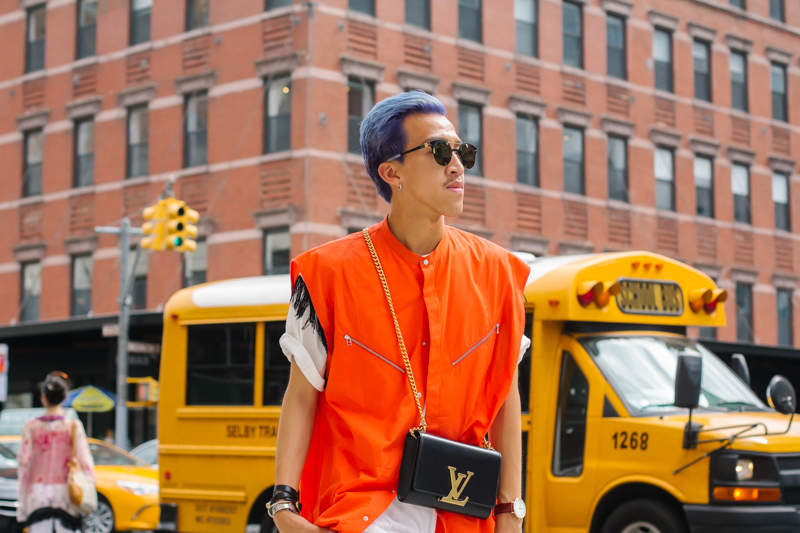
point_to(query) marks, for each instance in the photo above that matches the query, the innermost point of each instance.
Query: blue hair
(383, 134)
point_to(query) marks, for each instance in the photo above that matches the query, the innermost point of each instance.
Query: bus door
(571, 476)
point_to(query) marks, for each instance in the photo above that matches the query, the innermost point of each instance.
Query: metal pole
(121, 423)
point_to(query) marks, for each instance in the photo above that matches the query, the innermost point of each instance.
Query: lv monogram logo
(457, 487)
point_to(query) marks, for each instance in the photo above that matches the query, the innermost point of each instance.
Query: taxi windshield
(642, 371)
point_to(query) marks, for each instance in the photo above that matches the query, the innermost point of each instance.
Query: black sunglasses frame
(443, 153)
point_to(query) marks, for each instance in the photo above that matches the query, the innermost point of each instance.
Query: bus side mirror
(780, 394)
(739, 365)
(687, 380)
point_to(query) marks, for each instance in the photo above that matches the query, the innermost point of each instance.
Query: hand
(288, 522)
(506, 523)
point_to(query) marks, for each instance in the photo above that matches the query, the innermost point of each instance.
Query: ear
(388, 174)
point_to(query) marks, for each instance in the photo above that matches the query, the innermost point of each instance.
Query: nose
(455, 165)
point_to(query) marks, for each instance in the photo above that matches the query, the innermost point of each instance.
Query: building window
(277, 243)
(615, 41)
(572, 22)
(418, 13)
(780, 196)
(196, 137)
(140, 21)
(738, 3)
(744, 312)
(32, 163)
(278, 116)
(87, 28)
(139, 287)
(195, 265)
(360, 98)
(570, 430)
(84, 153)
(665, 179)
(776, 10)
(785, 329)
(617, 168)
(738, 65)
(527, 151)
(81, 285)
(274, 4)
(196, 14)
(34, 51)
(276, 365)
(740, 184)
(469, 20)
(704, 184)
(137, 141)
(701, 52)
(470, 129)
(778, 78)
(662, 55)
(31, 291)
(220, 364)
(362, 6)
(572, 147)
(527, 31)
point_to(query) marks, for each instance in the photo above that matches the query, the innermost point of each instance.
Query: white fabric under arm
(304, 345)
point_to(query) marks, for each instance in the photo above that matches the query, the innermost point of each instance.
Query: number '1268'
(623, 442)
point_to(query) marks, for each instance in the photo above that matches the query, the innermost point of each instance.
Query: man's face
(438, 188)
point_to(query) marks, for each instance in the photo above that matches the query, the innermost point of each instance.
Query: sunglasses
(443, 153)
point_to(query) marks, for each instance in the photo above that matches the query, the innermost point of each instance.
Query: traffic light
(180, 230)
(153, 227)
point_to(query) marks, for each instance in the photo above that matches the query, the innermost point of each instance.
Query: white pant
(401, 517)
(51, 525)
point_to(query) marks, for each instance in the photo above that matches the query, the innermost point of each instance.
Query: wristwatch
(517, 508)
(274, 508)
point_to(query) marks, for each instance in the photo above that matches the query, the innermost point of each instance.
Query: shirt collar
(407, 255)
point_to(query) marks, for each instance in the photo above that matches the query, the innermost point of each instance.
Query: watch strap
(501, 508)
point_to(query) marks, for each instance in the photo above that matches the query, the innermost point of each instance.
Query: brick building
(666, 125)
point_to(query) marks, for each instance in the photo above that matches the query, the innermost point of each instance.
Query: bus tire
(267, 525)
(643, 516)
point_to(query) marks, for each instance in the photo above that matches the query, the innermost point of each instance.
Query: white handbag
(82, 492)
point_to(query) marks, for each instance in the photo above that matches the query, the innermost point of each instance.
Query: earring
(400, 186)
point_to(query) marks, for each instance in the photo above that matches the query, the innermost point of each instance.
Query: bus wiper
(707, 407)
(740, 404)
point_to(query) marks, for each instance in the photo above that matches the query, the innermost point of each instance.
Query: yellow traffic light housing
(153, 227)
(180, 228)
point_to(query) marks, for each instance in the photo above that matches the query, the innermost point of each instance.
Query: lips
(456, 186)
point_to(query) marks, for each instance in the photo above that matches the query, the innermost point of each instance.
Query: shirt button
(424, 343)
(425, 262)
(366, 519)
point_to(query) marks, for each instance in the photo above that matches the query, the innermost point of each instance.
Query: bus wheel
(643, 516)
(267, 525)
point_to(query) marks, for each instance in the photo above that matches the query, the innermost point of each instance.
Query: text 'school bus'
(608, 446)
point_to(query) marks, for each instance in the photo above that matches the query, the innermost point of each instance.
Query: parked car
(147, 452)
(8, 490)
(127, 489)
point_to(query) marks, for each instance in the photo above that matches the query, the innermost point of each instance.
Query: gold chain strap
(423, 424)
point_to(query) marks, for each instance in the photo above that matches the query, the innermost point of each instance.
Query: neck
(417, 231)
(54, 410)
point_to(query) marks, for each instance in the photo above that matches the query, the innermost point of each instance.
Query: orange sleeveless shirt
(461, 313)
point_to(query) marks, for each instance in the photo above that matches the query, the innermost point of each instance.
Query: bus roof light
(647, 265)
(717, 296)
(553, 303)
(698, 298)
(635, 264)
(659, 266)
(609, 289)
(588, 291)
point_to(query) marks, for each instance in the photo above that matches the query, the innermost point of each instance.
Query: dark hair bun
(55, 389)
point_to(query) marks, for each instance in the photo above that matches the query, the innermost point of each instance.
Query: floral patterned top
(44, 456)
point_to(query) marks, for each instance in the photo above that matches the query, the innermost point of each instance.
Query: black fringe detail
(301, 300)
(73, 523)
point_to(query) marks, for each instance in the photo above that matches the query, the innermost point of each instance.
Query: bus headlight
(139, 489)
(744, 469)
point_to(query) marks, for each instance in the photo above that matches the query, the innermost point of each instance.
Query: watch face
(519, 508)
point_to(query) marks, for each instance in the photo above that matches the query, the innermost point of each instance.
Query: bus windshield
(642, 371)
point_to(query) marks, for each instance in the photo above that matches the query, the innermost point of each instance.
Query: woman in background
(44, 457)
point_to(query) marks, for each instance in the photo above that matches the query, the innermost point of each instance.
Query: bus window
(524, 368)
(276, 365)
(220, 364)
(573, 400)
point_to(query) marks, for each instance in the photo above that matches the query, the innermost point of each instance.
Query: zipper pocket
(350, 341)
(495, 330)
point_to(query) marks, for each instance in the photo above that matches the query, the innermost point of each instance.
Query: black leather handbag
(437, 472)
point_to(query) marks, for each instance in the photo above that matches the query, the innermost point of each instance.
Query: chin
(453, 210)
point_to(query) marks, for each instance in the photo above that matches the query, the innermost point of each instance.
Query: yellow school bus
(606, 448)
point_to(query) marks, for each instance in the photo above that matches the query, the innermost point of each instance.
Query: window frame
(84, 31)
(567, 36)
(146, 144)
(626, 195)
(739, 3)
(780, 15)
(534, 27)
(477, 169)
(535, 153)
(710, 189)
(190, 7)
(188, 273)
(78, 165)
(462, 10)
(582, 177)
(671, 181)
(622, 51)
(363, 85)
(26, 166)
(745, 93)
(703, 83)
(782, 97)
(136, 16)
(268, 141)
(370, 8)
(744, 335)
(749, 212)
(269, 4)
(73, 296)
(788, 211)
(789, 321)
(566, 357)
(30, 65)
(23, 301)
(268, 269)
(669, 83)
(188, 161)
(424, 7)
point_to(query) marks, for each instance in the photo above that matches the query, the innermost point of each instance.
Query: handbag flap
(456, 471)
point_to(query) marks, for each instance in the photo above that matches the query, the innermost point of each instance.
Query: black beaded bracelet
(287, 488)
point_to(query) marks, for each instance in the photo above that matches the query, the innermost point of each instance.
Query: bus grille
(788, 462)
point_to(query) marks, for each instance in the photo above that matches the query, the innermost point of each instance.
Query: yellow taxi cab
(127, 489)
(629, 425)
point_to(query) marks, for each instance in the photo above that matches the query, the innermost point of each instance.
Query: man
(459, 305)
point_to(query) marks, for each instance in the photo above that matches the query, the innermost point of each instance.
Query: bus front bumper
(741, 519)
